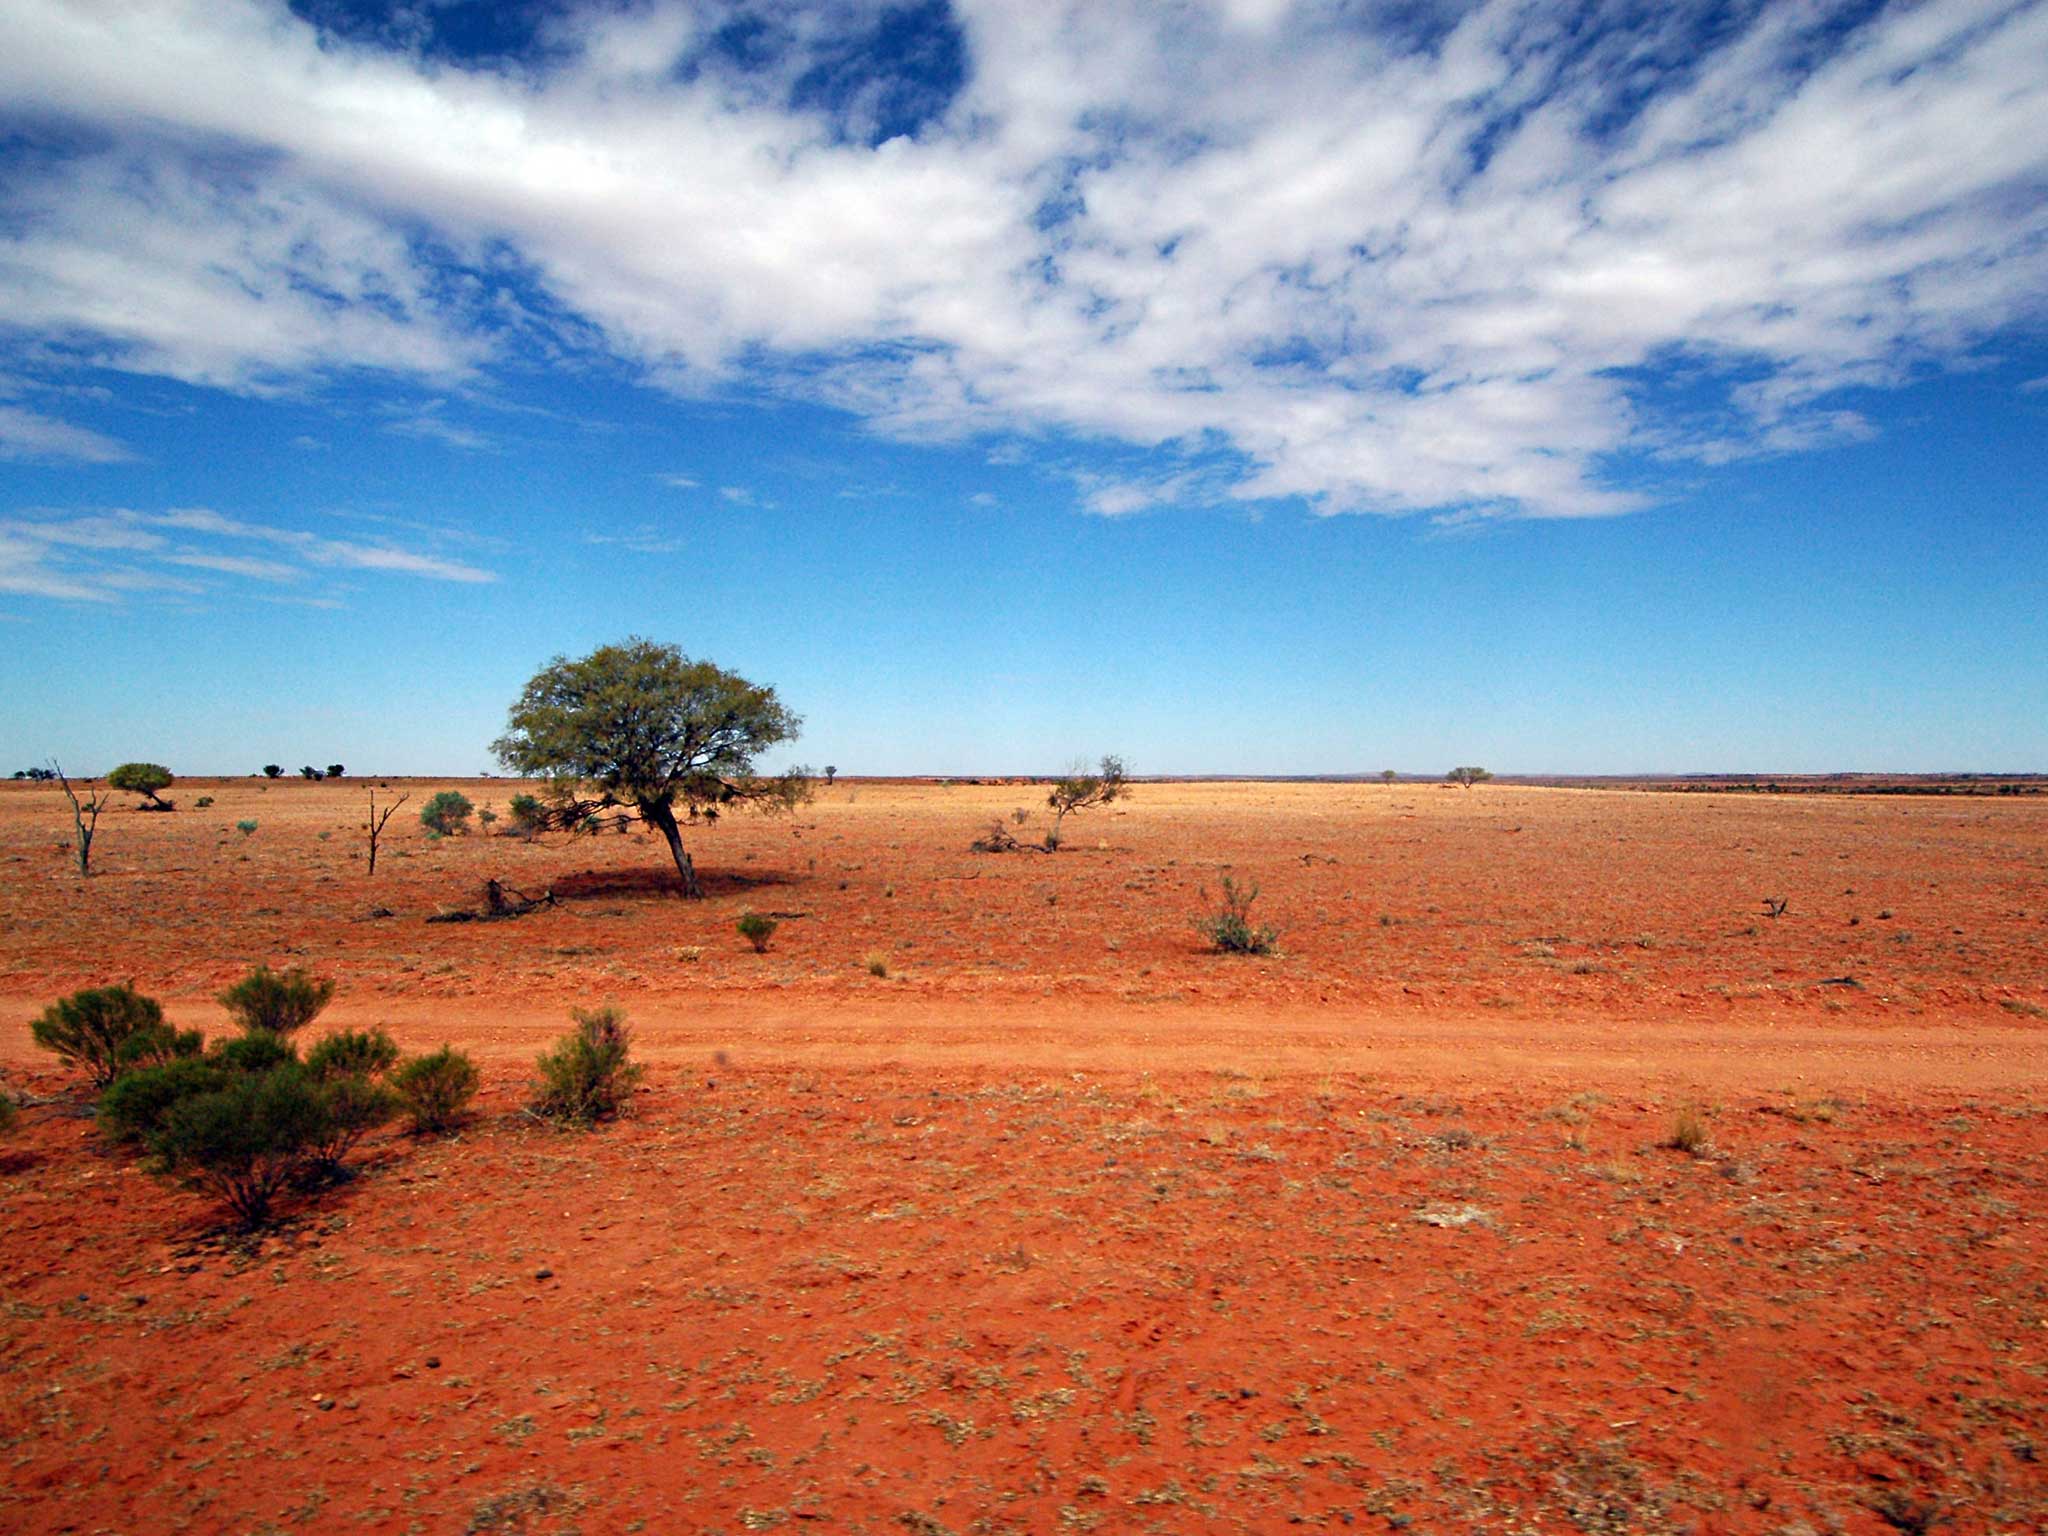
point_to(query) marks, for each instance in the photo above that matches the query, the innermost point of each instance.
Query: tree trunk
(662, 815)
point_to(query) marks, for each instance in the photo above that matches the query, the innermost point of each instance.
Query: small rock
(543, 1274)
(433, 1362)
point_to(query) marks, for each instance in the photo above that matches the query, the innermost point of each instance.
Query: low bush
(204, 802)
(447, 812)
(351, 1106)
(757, 929)
(244, 1141)
(352, 1053)
(134, 1106)
(88, 1028)
(434, 1089)
(277, 1001)
(1230, 928)
(258, 1051)
(158, 1045)
(529, 816)
(877, 964)
(1689, 1133)
(245, 827)
(586, 1076)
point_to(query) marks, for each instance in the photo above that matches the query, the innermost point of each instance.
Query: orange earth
(1066, 1222)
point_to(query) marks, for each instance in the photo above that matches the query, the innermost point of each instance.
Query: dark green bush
(757, 929)
(245, 1141)
(352, 1053)
(88, 1028)
(259, 1051)
(586, 1077)
(446, 813)
(435, 1088)
(1229, 928)
(529, 816)
(158, 1045)
(277, 1001)
(351, 1106)
(135, 1104)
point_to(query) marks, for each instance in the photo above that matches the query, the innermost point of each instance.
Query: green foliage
(1468, 775)
(435, 1088)
(245, 827)
(144, 779)
(277, 1001)
(135, 1105)
(351, 1106)
(204, 802)
(258, 1051)
(352, 1053)
(446, 812)
(756, 928)
(641, 725)
(1230, 928)
(158, 1045)
(88, 1028)
(529, 816)
(246, 1140)
(586, 1077)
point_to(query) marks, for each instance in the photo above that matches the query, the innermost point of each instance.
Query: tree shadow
(595, 883)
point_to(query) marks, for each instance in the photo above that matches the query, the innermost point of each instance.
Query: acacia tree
(143, 779)
(641, 727)
(1468, 776)
(1081, 789)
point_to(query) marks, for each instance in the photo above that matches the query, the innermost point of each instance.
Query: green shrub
(352, 1053)
(585, 1076)
(88, 1028)
(143, 779)
(1229, 928)
(486, 816)
(351, 1106)
(134, 1106)
(756, 928)
(204, 802)
(447, 812)
(158, 1045)
(254, 1053)
(529, 816)
(245, 1141)
(435, 1088)
(277, 1001)
(245, 827)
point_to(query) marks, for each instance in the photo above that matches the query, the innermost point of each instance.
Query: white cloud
(95, 557)
(679, 482)
(26, 434)
(1384, 273)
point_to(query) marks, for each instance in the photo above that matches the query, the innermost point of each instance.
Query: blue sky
(1238, 385)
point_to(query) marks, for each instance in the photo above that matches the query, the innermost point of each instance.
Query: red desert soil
(1066, 1223)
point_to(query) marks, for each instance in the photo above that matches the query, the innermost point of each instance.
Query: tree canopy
(641, 726)
(144, 779)
(1468, 775)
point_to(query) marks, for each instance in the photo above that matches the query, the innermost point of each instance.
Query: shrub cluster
(246, 1117)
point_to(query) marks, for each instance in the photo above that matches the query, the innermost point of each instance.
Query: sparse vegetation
(373, 829)
(528, 817)
(756, 928)
(587, 1075)
(88, 1029)
(1230, 927)
(276, 1002)
(1689, 1132)
(446, 813)
(246, 826)
(877, 964)
(435, 1089)
(1469, 775)
(85, 819)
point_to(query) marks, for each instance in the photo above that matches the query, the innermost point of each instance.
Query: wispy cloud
(1428, 265)
(26, 434)
(97, 557)
(679, 482)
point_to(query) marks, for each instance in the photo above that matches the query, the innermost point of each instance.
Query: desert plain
(989, 1198)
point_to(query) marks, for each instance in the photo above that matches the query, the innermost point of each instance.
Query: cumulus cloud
(97, 557)
(1439, 265)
